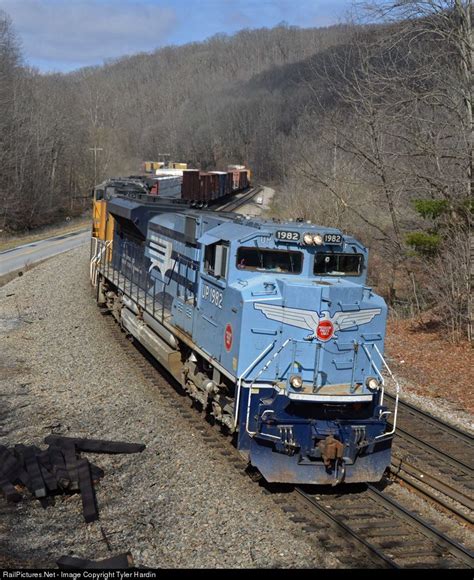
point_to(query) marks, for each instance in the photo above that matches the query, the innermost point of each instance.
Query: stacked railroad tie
(59, 469)
(115, 562)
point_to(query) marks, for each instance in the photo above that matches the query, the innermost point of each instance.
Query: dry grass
(436, 367)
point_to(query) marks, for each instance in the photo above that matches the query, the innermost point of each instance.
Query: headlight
(372, 383)
(296, 381)
(318, 239)
(308, 239)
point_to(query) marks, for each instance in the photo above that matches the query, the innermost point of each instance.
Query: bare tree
(446, 149)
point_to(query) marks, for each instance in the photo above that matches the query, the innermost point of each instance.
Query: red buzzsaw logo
(228, 337)
(325, 330)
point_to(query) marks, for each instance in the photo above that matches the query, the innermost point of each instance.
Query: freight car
(199, 188)
(269, 326)
(173, 186)
(203, 188)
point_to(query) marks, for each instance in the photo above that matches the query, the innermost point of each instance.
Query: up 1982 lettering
(212, 295)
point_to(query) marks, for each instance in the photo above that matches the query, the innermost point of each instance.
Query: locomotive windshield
(269, 260)
(329, 264)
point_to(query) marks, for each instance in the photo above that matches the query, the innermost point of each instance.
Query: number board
(332, 239)
(287, 236)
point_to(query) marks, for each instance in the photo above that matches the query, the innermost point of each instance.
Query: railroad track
(360, 524)
(435, 458)
(391, 534)
(240, 201)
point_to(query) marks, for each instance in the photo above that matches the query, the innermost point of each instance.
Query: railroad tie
(9, 491)
(34, 472)
(58, 463)
(119, 561)
(89, 502)
(11, 468)
(95, 445)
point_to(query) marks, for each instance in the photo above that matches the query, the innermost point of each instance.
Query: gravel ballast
(177, 504)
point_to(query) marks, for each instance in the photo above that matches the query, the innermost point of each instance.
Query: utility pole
(95, 149)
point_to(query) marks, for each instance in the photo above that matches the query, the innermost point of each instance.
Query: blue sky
(61, 35)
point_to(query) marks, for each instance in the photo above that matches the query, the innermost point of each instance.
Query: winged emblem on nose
(321, 325)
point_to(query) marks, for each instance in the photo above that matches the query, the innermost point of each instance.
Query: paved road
(21, 256)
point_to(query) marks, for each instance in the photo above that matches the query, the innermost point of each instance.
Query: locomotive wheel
(253, 473)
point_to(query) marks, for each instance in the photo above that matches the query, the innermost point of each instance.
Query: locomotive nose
(328, 330)
(324, 299)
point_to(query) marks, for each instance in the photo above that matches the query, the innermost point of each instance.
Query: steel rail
(182, 404)
(455, 548)
(414, 476)
(234, 204)
(404, 434)
(395, 508)
(332, 518)
(435, 421)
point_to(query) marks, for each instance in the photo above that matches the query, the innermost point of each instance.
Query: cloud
(255, 13)
(72, 33)
(67, 34)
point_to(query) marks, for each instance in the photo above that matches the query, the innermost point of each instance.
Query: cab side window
(216, 259)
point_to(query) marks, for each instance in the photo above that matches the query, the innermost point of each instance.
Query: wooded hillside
(367, 128)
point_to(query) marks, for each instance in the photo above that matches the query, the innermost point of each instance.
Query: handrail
(247, 370)
(259, 374)
(374, 366)
(91, 265)
(98, 254)
(397, 395)
(270, 360)
(397, 387)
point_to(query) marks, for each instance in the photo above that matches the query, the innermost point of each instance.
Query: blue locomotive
(269, 325)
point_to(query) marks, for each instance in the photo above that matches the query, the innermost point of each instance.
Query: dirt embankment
(434, 367)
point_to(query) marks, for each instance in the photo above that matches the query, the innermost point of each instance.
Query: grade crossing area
(26, 255)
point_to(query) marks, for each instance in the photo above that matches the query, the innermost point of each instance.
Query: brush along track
(434, 458)
(351, 525)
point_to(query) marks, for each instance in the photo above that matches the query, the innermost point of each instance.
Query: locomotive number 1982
(287, 236)
(212, 295)
(332, 239)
